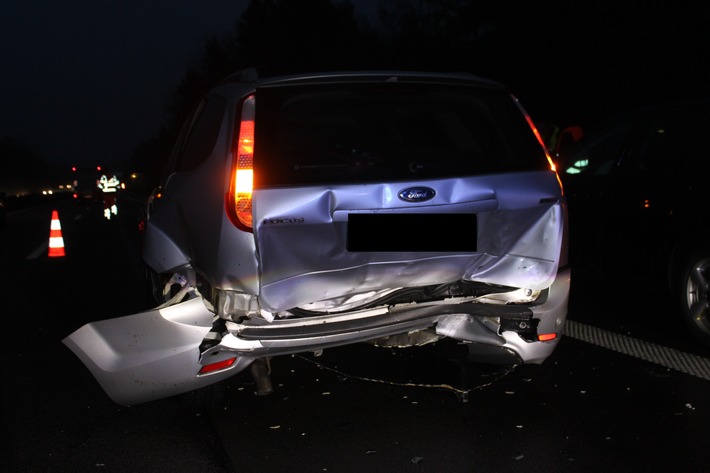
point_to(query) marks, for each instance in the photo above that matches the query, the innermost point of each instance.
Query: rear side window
(310, 134)
(202, 134)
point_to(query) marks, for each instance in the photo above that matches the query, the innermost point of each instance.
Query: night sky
(84, 81)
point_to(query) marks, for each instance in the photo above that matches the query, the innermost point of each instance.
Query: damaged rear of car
(305, 212)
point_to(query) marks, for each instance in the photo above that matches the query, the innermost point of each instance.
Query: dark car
(638, 196)
(85, 182)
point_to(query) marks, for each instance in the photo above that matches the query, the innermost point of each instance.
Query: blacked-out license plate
(412, 232)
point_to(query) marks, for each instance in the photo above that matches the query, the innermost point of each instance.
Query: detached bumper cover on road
(150, 355)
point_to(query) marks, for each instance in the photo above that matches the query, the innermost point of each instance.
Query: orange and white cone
(56, 242)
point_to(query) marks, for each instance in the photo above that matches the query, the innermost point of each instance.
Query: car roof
(252, 76)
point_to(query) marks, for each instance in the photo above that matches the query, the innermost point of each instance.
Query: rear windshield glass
(351, 133)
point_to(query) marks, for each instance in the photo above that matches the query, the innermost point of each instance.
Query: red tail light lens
(537, 133)
(239, 199)
(220, 365)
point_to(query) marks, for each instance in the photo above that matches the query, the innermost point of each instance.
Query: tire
(693, 294)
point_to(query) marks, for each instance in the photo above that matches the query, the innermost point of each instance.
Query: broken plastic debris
(520, 457)
(417, 460)
(689, 406)
(268, 316)
(461, 393)
(274, 427)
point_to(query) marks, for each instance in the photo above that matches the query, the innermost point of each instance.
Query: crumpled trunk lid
(316, 243)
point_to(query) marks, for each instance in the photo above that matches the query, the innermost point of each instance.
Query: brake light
(541, 141)
(546, 337)
(535, 131)
(242, 179)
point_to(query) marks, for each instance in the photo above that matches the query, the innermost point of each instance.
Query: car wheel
(694, 295)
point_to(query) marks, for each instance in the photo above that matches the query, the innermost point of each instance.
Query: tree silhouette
(284, 36)
(21, 168)
(276, 37)
(297, 36)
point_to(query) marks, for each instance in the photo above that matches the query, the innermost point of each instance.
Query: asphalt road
(626, 390)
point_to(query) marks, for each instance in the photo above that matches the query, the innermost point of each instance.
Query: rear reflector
(220, 365)
(546, 337)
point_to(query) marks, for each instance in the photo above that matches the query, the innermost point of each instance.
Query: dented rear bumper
(156, 354)
(511, 329)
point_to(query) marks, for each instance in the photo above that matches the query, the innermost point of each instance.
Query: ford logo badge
(417, 194)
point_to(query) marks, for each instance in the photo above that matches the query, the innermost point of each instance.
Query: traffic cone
(56, 242)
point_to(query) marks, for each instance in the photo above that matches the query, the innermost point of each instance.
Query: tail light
(239, 199)
(536, 133)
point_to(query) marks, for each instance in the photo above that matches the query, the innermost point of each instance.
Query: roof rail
(245, 75)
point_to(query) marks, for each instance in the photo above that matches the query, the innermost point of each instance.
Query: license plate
(412, 232)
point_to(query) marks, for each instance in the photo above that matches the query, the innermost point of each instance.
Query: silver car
(305, 212)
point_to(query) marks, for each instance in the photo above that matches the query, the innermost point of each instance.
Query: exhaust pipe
(261, 372)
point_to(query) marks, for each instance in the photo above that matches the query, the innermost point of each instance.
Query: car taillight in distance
(240, 192)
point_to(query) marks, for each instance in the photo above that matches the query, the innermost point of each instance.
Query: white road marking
(43, 248)
(667, 357)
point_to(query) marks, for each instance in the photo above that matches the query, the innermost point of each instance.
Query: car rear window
(348, 133)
